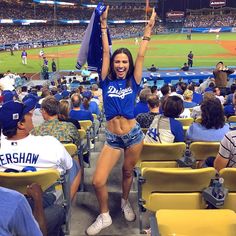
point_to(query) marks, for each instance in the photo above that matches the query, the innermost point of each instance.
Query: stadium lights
(54, 2)
(89, 5)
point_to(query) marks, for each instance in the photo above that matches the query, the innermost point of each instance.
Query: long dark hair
(112, 73)
(212, 114)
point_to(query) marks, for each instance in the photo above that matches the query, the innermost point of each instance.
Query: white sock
(106, 215)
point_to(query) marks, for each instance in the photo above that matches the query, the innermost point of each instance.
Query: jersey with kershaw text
(41, 152)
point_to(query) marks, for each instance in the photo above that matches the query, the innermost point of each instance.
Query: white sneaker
(103, 220)
(128, 211)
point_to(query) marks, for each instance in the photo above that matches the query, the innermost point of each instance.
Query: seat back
(175, 188)
(82, 134)
(232, 119)
(229, 176)
(86, 124)
(162, 153)
(185, 121)
(19, 181)
(71, 149)
(203, 150)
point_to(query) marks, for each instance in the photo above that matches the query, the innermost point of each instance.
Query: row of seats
(176, 194)
(167, 155)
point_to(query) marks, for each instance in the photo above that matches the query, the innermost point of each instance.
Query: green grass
(159, 53)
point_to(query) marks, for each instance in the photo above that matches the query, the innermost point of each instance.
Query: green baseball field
(164, 51)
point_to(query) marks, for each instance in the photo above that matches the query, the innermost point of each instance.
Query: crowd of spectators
(48, 12)
(210, 21)
(16, 34)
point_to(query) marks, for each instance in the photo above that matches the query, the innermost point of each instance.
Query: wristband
(103, 27)
(146, 38)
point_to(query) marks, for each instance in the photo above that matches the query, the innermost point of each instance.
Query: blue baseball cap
(87, 94)
(13, 111)
(7, 95)
(65, 94)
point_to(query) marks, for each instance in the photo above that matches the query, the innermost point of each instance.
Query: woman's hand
(103, 18)
(150, 24)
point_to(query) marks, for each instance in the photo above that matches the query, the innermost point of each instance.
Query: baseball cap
(87, 94)
(65, 94)
(13, 111)
(7, 95)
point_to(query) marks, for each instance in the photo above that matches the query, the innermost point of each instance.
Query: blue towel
(91, 47)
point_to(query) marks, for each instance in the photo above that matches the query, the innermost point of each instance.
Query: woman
(212, 126)
(164, 128)
(120, 82)
(64, 110)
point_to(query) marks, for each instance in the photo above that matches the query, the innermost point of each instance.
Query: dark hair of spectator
(232, 88)
(112, 73)
(212, 114)
(183, 87)
(153, 89)
(153, 101)
(172, 89)
(50, 106)
(165, 89)
(173, 106)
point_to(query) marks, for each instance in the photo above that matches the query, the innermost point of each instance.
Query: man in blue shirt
(16, 217)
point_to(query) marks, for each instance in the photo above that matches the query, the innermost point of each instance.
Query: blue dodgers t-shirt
(119, 100)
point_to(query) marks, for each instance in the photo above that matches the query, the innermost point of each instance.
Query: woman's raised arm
(143, 47)
(105, 45)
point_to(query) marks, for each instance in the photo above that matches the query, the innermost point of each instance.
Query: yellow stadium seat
(232, 119)
(172, 188)
(46, 179)
(74, 153)
(202, 150)
(229, 176)
(196, 222)
(161, 155)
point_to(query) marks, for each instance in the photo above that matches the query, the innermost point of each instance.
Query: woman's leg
(105, 163)
(132, 156)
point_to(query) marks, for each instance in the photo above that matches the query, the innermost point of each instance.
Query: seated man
(65, 132)
(185, 67)
(77, 113)
(226, 156)
(145, 119)
(20, 149)
(16, 216)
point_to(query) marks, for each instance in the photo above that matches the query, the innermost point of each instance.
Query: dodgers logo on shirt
(121, 93)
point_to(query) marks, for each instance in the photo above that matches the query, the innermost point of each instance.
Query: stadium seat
(202, 150)
(186, 122)
(161, 155)
(75, 153)
(195, 222)
(45, 178)
(232, 119)
(229, 176)
(172, 188)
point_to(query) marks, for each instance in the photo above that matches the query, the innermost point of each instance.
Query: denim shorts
(124, 141)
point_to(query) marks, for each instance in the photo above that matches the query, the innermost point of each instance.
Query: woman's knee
(98, 183)
(127, 173)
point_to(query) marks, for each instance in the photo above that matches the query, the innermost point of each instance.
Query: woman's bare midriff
(120, 125)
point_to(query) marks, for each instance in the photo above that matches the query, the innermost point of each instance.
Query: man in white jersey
(21, 151)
